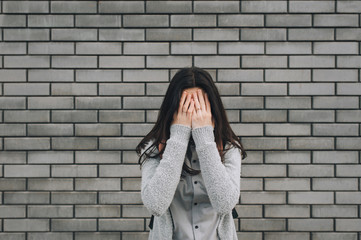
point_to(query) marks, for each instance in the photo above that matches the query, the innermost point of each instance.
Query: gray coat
(160, 179)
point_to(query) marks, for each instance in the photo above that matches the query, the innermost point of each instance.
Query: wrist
(203, 135)
(180, 132)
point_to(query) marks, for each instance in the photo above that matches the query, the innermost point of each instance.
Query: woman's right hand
(185, 110)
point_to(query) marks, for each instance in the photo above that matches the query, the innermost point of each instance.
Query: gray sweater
(160, 178)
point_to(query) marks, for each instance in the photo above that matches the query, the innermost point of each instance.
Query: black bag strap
(234, 214)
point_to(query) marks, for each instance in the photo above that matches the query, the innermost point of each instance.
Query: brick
(263, 6)
(263, 224)
(50, 129)
(348, 224)
(98, 102)
(8, 75)
(12, 21)
(240, 20)
(249, 235)
(350, 170)
(121, 35)
(334, 211)
(74, 197)
(286, 235)
(74, 89)
(287, 211)
(156, 89)
(335, 129)
(74, 170)
(12, 184)
(121, 143)
(98, 21)
(334, 157)
(241, 48)
(335, 20)
(8, 211)
(50, 102)
(193, 48)
(69, 225)
(145, 20)
(74, 116)
(73, 7)
(121, 89)
(27, 62)
(288, 48)
(27, 171)
(12, 157)
(288, 20)
(48, 211)
(97, 184)
(136, 129)
(310, 34)
(288, 129)
(335, 102)
(349, 6)
(242, 102)
(263, 34)
(333, 236)
(247, 129)
(44, 157)
(97, 235)
(135, 211)
(71, 143)
(50, 48)
(348, 34)
(349, 62)
(263, 197)
(121, 7)
(264, 61)
(75, 34)
(50, 75)
(120, 198)
(121, 224)
(97, 211)
(121, 116)
(335, 48)
(168, 7)
(310, 170)
(348, 197)
(130, 157)
(312, 62)
(249, 184)
(311, 115)
(146, 48)
(216, 7)
(263, 89)
(217, 61)
(74, 61)
(119, 171)
(168, 61)
(317, 6)
(264, 170)
(348, 115)
(257, 143)
(311, 88)
(216, 34)
(311, 143)
(12, 129)
(25, 7)
(334, 184)
(97, 130)
(145, 75)
(98, 75)
(50, 236)
(28, 225)
(287, 75)
(131, 184)
(283, 184)
(287, 157)
(193, 20)
(98, 48)
(168, 34)
(240, 75)
(121, 61)
(26, 34)
(249, 211)
(32, 197)
(50, 184)
(314, 197)
(142, 102)
(288, 102)
(348, 143)
(95, 157)
(50, 21)
(264, 115)
(349, 88)
(310, 224)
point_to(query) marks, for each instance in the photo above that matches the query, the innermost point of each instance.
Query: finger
(191, 107)
(186, 104)
(196, 101)
(208, 104)
(183, 98)
(201, 99)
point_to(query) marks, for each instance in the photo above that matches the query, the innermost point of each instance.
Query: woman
(191, 163)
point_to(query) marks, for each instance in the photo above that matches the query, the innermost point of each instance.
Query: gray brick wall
(82, 82)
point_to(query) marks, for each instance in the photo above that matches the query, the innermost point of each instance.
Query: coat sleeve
(222, 181)
(161, 177)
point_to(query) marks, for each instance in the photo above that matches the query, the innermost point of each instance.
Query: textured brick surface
(81, 82)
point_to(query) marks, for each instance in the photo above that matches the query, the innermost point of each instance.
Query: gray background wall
(81, 82)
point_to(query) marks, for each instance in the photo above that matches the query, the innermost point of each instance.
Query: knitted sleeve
(161, 177)
(222, 181)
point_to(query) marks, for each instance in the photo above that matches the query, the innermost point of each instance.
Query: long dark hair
(183, 79)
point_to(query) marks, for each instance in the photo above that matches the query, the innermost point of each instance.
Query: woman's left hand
(202, 115)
